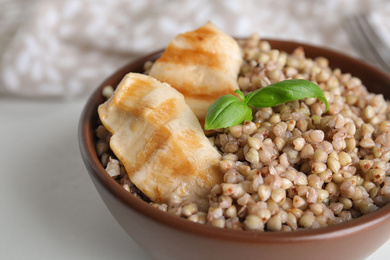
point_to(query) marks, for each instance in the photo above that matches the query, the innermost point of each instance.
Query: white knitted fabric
(65, 48)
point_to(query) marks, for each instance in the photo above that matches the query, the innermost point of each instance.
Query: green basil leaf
(240, 94)
(285, 91)
(227, 111)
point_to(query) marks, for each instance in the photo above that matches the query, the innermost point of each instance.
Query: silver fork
(366, 40)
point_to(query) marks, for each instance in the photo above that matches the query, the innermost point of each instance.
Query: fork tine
(355, 35)
(381, 50)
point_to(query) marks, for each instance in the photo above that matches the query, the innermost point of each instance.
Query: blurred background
(66, 47)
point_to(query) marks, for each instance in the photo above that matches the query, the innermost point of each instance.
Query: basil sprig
(229, 110)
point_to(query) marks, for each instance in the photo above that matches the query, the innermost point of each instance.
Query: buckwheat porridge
(293, 166)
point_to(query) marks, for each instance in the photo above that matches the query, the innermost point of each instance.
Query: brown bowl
(170, 237)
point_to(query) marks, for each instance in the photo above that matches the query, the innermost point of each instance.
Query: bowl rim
(92, 163)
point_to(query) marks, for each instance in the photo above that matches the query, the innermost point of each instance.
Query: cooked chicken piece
(160, 141)
(202, 65)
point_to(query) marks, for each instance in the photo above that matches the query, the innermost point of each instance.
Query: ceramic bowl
(169, 237)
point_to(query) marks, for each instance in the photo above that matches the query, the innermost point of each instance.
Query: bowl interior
(374, 79)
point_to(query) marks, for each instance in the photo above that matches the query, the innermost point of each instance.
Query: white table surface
(49, 206)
